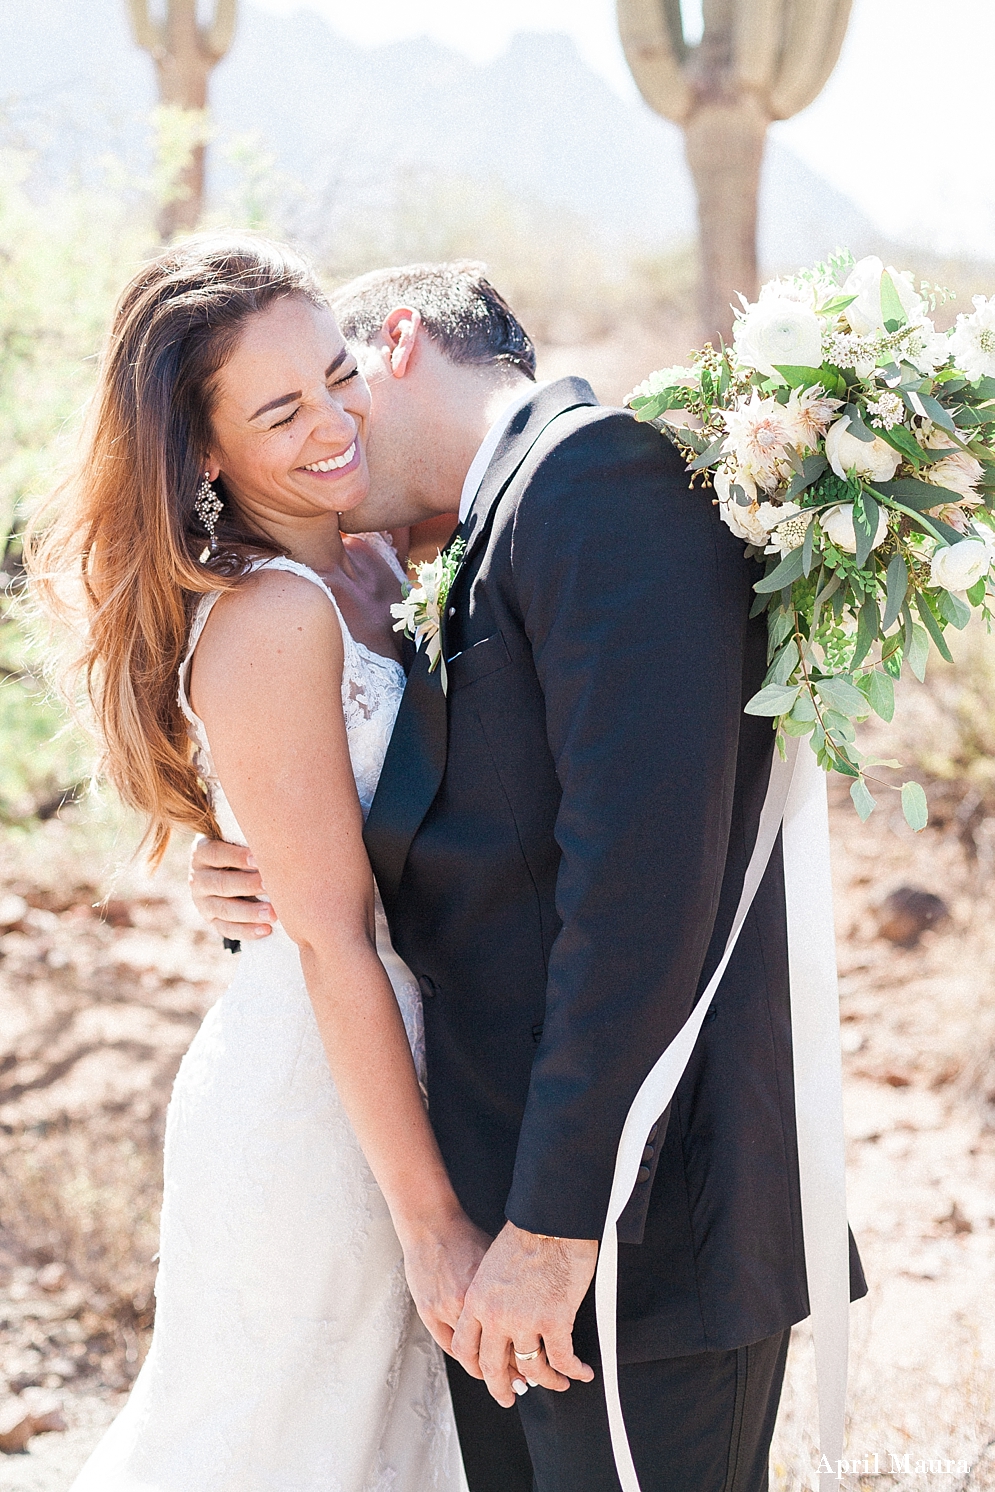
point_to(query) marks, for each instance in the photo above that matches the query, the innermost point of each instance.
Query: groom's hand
(525, 1295)
(227, 890)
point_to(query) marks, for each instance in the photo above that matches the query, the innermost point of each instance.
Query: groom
(560, 842)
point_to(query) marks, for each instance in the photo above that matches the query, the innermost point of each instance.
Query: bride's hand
(440, 1262)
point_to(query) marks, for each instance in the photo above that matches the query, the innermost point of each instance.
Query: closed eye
(335, 383)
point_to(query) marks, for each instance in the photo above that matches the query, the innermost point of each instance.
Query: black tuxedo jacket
(560, 845)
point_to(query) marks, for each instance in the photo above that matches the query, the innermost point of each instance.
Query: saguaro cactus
(758, 60)
(185, 52)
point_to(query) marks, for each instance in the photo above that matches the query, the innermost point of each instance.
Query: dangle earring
(207, 507)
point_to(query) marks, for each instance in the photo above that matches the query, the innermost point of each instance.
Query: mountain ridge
(345, 120)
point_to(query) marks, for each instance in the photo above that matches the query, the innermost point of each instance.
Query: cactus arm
(675, 26)
(647, 41)
(757, 42)
(150, 35)
(216, 38)
(813, 38)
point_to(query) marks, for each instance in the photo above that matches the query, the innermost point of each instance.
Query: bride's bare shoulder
(271, 633)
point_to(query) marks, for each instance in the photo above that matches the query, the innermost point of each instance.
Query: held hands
(480, 1300)
(525, 1295)
(227, 890)
(439, 1268)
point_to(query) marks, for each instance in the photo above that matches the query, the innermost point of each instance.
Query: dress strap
(203, 611)
(204, 608)
(383, 544)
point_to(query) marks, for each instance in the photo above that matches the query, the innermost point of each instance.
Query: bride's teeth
(335, 462)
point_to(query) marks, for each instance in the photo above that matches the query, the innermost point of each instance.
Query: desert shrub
(63, 258)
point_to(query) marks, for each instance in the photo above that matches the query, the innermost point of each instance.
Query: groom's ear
(400, 333)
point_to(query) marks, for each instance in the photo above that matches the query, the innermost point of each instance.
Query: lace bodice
(372, 686)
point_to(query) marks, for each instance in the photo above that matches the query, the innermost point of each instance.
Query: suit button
(652, 1133)
(647, 1155)
(427, 986)
(643, 1174)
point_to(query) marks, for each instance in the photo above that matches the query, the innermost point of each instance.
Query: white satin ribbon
(796, 795)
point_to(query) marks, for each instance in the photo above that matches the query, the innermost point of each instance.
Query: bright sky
(904, 127)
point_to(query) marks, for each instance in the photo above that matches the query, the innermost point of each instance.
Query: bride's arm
(266, 681)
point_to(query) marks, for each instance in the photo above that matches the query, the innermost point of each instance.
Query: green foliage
(64, 261)
(853, 554)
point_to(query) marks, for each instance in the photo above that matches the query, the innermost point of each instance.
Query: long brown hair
(125, 553)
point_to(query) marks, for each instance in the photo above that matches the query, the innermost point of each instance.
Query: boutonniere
(419, 615)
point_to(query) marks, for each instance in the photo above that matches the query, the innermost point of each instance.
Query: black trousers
(695, 1424)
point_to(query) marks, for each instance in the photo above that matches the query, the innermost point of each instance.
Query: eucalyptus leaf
(710, 454)
(969, 418)
(838, 303)
(912, 493)
(936, 412)
(784, 665)
(897, 590)
(784, 574)
(649, 408)
(914, 806)
(881, 693)
(841, 695)
(856, 426)
(779, 630)
(804, 709)
(868, 624)
(892, 310)
(838, 727)
(977, 592)
(932, 626)
(919, 653)
(904, 441)
(866, 514)
(775, 699)
(954, 610)
(812, 468)
(808, 547)
(862, 799)
(798, 377)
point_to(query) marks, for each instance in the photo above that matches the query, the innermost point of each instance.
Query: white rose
(778, 331)
(837, 525)
(956, 567)
(743, 520)
(864, 281)
(874, 460)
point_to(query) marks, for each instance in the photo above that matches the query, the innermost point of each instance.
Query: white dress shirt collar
(489, 445)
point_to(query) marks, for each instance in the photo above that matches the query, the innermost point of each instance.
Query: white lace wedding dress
(287, 1355)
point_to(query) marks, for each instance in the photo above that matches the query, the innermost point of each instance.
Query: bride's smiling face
(291, 417)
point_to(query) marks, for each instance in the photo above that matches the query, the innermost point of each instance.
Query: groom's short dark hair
(459, 307)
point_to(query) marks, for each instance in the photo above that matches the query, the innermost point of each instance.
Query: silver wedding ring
(527, 1356)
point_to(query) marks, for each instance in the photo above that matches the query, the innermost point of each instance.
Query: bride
(241, 660)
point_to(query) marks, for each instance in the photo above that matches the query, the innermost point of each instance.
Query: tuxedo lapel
(524, 429)
(412, 771)
(416, 756)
